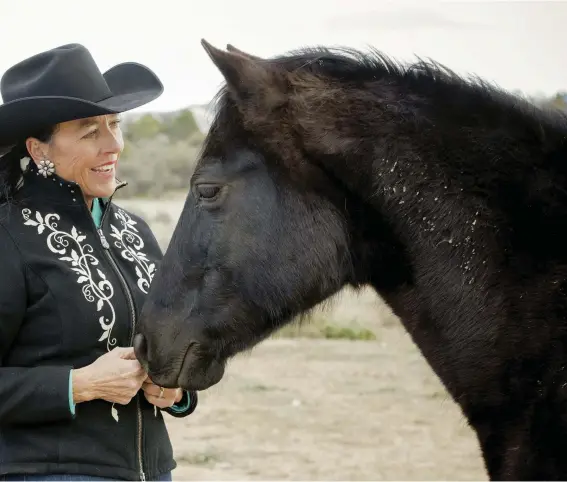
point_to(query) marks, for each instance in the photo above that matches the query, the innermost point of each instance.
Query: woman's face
(84, 151)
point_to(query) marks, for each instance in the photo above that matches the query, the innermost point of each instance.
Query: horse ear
(247, 76)
(232, 48)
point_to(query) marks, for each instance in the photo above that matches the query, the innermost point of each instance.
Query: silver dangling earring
(45, 168)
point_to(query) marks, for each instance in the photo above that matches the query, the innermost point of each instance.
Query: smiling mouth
(105, 170)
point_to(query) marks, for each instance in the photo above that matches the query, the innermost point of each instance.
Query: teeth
(102, 169)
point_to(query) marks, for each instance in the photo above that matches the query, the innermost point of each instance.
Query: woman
(74, 271)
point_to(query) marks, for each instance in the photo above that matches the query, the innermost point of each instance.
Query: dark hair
(10, 168)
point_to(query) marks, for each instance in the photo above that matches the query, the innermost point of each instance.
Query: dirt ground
(301, 409)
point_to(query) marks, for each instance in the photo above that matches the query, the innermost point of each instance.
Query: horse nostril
(141, 349)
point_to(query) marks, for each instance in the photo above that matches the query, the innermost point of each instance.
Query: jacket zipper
(106, 249)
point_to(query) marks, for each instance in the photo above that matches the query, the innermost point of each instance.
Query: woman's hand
(115, 377)
(161, 397)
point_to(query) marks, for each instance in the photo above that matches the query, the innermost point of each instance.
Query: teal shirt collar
(96, 211)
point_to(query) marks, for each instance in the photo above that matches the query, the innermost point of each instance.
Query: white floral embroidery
(83, 263)
(130, 244)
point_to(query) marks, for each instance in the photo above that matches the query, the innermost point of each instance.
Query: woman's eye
(207, 191)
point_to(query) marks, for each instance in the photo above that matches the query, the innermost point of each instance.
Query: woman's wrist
(82, 387)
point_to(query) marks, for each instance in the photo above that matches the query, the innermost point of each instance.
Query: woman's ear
(36, 149)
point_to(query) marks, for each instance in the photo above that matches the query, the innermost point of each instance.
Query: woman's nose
(113, 144)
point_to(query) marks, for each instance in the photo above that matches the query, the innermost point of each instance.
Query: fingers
(123, 400)
(154, 395)
(154, 390)
(133, 368)
(123, 351)
(166, 401)
(129, 355)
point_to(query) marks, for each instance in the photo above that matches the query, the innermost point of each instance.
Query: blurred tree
(181, 126)
(156, 166)
(146, 127)
(559, 101)
(127, 148)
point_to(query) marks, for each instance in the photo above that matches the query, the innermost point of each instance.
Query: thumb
(129, 354)
(125, 352)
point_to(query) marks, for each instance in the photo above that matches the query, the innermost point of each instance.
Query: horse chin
(195, 369)
(199, 371)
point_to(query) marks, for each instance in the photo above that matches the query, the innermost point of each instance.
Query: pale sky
(519, 45)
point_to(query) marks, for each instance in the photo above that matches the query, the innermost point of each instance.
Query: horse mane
(500, 148)
(430, 78)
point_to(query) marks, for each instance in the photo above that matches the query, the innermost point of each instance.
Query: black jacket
(69, 293)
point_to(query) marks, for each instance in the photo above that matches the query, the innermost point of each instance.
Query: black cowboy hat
(64, 84)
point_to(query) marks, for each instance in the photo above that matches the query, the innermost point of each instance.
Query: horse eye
(207, 191)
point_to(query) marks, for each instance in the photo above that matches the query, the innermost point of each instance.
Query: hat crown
(68, 70)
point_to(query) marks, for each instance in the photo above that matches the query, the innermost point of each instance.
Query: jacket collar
(55, 190)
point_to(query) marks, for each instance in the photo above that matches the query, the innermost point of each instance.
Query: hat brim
(132, 85)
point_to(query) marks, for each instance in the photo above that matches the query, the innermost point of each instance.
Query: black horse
(326, 168)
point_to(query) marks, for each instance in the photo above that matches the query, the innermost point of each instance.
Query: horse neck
(423, 245)
(424, 250)
(416, 208)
